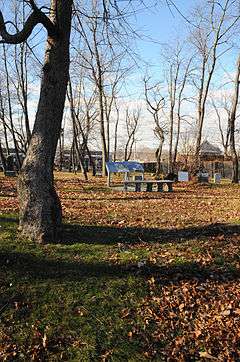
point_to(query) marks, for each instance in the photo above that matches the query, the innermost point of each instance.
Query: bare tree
(117, 117)
(180, 99)
(131, 122)
(84, 114)
(211, 32)
(223, 107)
(172, 81)
(3, 123)
(155, 103)
(76, 144)
(10, 110)
(103, 54)
(232, 124)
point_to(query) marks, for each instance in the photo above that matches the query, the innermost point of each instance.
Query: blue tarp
(125, 166)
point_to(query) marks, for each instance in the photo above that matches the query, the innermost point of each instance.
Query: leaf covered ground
(135, 276)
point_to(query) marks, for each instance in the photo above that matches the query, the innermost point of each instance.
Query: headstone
(203, 177)
(183, 176)
(10, 163)
(10, 173)
(217, 178)
(98, 167)
(138, 177)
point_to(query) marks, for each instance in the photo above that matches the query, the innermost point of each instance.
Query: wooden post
(109, 179)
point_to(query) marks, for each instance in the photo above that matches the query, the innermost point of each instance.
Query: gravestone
(183, 176)
(138, 177)
(203, 177)
(217, 178)
(10, 173)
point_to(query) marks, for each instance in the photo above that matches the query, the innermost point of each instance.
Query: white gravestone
(183, 176)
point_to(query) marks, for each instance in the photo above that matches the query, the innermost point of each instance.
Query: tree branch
(37, 17)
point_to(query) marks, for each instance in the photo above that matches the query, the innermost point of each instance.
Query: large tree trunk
(40, 208)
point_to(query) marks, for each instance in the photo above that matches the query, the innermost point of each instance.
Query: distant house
(210, 152)
(213, 160)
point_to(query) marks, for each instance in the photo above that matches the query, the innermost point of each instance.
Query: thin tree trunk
(10, 108)
(116, 136)
(2, 113)
(232, 125)
(2, 157)
(75, 133)
(186, 74)
(158, 155)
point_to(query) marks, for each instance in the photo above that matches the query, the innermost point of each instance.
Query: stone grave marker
(183, 176)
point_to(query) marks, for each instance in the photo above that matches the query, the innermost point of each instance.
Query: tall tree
(155, 103)
(223, 113)
(210, 39)
(232, 125)
(40, 208)
(131, 121)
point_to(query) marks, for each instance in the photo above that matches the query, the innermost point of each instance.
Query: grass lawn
(135, 277)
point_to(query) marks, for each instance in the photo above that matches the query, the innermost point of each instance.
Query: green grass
(68, 295)
(88, 299)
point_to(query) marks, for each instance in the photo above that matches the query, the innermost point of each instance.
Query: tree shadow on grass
(28, 267)
(75, 233)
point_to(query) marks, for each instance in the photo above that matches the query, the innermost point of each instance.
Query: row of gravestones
(202, 177)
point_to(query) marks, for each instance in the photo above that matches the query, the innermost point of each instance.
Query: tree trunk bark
(2, 157)
(232, 125)
(10, 109)
(158, 155)
(170, 155)
(40, 208)
(175, 153)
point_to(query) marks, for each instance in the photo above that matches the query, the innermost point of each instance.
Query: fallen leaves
(189, 316)
(181, 247)
(207, 355)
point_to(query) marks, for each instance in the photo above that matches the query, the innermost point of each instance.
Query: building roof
(208, 149)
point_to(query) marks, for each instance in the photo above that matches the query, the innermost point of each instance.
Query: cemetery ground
(135, 276)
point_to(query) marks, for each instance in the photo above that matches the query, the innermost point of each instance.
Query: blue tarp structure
(123, 167)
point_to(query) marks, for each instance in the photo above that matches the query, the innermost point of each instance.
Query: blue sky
(162, 24)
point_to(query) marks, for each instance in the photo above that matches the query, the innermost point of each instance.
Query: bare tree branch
(36, 17)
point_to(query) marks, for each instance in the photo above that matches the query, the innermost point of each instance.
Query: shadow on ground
(75, 233)
(27, 265)
(33, 267)
(110, 235)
